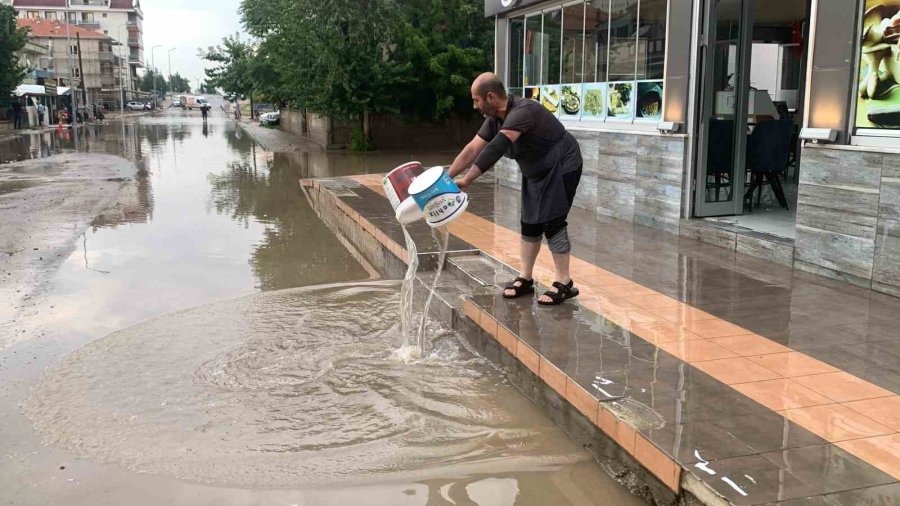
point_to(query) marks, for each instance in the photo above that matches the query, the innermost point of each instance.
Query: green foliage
(153, 79)
(179, 84)
(237, 70)
(358, 139)
(350, 58)
(12, 40)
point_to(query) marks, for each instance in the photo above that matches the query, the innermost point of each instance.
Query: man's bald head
(488, 82)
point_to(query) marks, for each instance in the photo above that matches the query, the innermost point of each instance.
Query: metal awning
(40, 90)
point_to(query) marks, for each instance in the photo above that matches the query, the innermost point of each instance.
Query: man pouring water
(549, 158)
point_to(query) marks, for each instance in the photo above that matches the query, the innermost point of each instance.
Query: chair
(768, 150)
(720, 157)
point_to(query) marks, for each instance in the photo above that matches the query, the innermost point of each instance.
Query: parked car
(176, 102)
(135, 106)
(270, 118)
(260, 109)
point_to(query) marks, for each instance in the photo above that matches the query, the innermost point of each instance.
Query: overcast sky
(186, 26)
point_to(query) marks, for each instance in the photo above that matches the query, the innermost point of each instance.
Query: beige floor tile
(793, 363)
(682, 314)
(882, 452)
(714, 328)
(885, 410)
(836, 422)
(781, 394)
(553, 376)
(842, 387)
(653, 301)
(660, 464)
(663, 333)
(736, 370)
(697, 350)
(750, 345)
(583, 401)
(529, 357)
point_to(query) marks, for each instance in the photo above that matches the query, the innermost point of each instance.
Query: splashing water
(406, 293)
(442, 238)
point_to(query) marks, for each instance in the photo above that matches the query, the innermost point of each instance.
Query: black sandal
(526, 286)
(562, 294)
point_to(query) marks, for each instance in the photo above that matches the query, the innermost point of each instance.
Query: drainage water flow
(442, 238)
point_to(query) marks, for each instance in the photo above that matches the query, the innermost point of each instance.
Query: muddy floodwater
(208, 340)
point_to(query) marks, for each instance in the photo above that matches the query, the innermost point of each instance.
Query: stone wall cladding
(848, 217)
(628, 176)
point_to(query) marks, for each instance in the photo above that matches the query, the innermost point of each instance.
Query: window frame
(633, 123)
(863, 136)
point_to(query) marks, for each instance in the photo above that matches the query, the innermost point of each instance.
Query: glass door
(723, 124)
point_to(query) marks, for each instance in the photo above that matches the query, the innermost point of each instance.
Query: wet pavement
(231, 399)
(706, 366)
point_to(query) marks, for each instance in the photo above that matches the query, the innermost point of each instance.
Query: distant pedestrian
(17, 114)
(41, 110)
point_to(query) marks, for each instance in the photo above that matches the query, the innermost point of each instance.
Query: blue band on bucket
(444, 184)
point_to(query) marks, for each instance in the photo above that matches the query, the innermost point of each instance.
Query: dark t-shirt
(539, 129)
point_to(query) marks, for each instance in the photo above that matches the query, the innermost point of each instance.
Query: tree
(179, 84)
(235, 61)
(335, 58)
(353, 58)
(153, 80)
(12, 40)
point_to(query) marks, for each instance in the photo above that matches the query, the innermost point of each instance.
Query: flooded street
(208, 340)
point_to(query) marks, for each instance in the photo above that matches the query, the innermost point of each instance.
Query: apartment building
(93, 62)
(121, 20)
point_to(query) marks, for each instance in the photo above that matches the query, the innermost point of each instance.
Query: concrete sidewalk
(729, 377)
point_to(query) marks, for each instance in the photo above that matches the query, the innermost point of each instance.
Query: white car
(135, 106)
(176, 102)
(270, 118)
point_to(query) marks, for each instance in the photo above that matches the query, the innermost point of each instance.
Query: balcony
(87, 25)
(135, 42)
(106, 57)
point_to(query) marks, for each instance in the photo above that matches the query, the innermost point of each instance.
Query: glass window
(596, 44)
(531, 59)
(877, 94)
(652, 40)
(516, 50)
(623, 40)
(552, 47)
(573, 44)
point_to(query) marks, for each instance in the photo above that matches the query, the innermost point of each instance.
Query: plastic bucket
(396, 182)
(438, 197)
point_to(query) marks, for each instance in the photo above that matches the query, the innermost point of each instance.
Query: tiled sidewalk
(765, 384)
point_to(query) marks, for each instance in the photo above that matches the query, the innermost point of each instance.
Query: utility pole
(170, 69)
(71, 72)
(155, 71)
(81, 69)
(122, 67)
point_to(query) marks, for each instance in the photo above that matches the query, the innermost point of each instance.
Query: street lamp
(122, 66)
(153, 59)
(170, 68)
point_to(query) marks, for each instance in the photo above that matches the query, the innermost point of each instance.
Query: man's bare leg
(561, 262)
(528, 251)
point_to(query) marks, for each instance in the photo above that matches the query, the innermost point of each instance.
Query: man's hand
(472, 174)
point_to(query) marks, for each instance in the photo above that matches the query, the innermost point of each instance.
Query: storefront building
(653, 90)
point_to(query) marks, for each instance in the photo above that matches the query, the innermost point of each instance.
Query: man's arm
(467, 156)
(475, 171)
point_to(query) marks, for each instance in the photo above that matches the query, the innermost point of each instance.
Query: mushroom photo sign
(879, 71)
